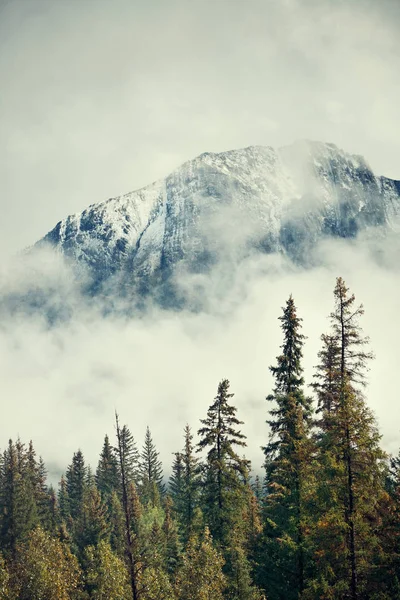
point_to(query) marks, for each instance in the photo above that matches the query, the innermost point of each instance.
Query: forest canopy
(322, 522)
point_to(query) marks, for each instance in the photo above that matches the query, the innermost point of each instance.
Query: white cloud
(61, 385)
(100, 99)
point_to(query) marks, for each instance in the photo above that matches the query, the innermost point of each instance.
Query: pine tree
(107, 473)
(116, 520)
(76, 483)
(172, 550)
(45, 569)
(351, 468)
(201, 576)
(225, 492)
(19, 511)
(257, 488)
(126, 458)
(91, 527)
(63, 501)
(223, 487)
(106, 575)
(151, 486)
(287, 459)
(184, 486)
(52, 521)
(388, 572)
(239, 579)
(130, 456)
(175, 484)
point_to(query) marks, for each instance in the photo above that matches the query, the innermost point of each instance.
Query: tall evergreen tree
(172, 546)
(76, 483)
(201, 576)
(107, 473)
(116, 519)
(92, 526)
(18, 499)
(185, 486)
(63, 501)
(106, 576)
(287, 459)
(225, 472)
(129, 454)
(175, 484)
(350, 462)
(126, 458)
(46, 569)
(152, 487)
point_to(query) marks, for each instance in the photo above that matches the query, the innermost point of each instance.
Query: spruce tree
(224, 471)
(106, 575)
(116, 519)
(76, 483)
(350, 467)
(151, 486)
(107, 473)
(129, 454)
(45, 569)
(63, 501)
(388, 572)
(18, 503)
(184, 486)
(175, 484)
(287, 460)
(172, 546)
(126, 458)
(201, 576)
(92, 526)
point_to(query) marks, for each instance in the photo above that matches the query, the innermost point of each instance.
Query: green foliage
(92, 525)
(23, 496)
(324, 525)
(106, 574)
(184, 486)
(287, 463)
(201, 576)
(5, 590)
(76, 483)
(107, 474)
(45, 569)
(116, 521)
(350, 466)
(151, 486)
(172, 545)
(128, 456)
(224, 472)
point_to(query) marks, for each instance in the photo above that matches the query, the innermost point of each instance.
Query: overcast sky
(101, 97)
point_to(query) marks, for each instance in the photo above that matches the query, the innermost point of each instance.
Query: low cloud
(61, 384)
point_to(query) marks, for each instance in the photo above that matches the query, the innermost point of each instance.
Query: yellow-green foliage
(107, 576)
(201, 576)
(46, 569)
(5, 593)
(155, 585)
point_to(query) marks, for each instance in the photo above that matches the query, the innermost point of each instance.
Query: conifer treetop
(288, 371)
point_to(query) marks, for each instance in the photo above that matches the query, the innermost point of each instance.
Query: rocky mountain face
(226, 206)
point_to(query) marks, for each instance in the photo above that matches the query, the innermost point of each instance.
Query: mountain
(225, 207)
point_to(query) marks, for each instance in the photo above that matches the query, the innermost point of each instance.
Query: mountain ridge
(225, 206)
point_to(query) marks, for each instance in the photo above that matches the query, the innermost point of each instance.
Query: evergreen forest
(320, 522)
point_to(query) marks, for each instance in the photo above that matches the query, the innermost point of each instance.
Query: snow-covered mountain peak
(227, 204)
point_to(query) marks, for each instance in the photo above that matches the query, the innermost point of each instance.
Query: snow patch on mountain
(225, 206)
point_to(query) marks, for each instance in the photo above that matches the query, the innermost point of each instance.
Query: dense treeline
(324, 522)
